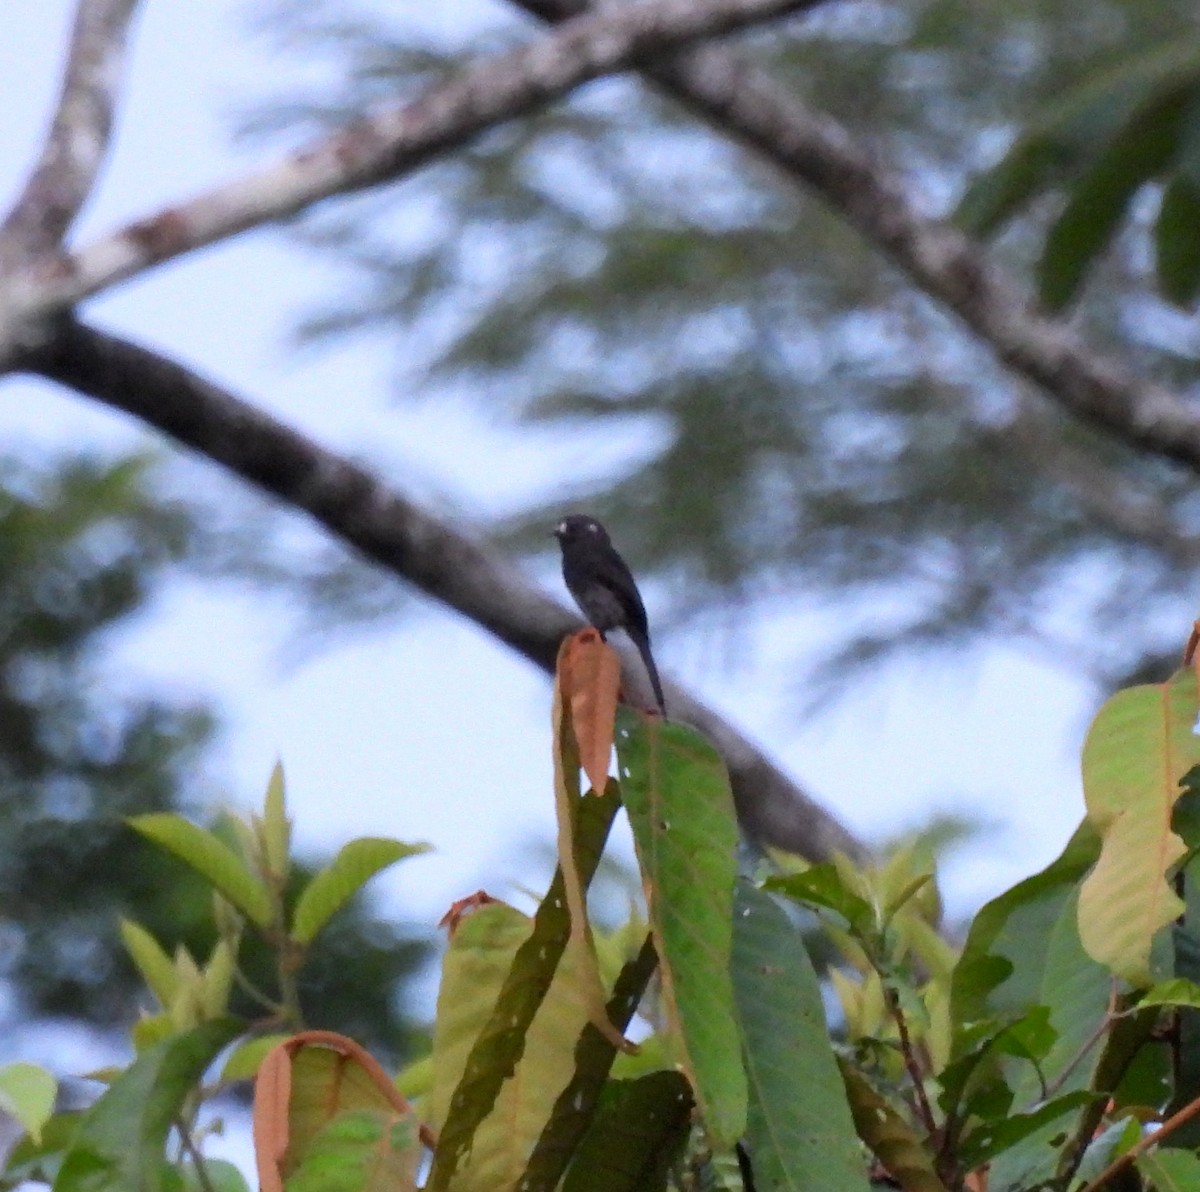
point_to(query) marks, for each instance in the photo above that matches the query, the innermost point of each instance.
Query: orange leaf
(332, 1074)
(272, 1091)
(593, 683)
(566, 796)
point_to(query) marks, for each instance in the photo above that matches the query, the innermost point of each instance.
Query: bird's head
(578, 527)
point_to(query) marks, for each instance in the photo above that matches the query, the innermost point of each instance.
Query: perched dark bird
(604, 588)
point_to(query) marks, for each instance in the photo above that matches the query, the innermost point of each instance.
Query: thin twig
(1105, 1023)
(253, 992)
(925, 1110)
(193, 1151)
(391, 142)
(1118, 1165)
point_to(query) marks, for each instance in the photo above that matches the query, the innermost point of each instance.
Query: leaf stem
(1119, 1164)
(253, 992)
(1105, 1023)
(925, 1110)
(188, 1143)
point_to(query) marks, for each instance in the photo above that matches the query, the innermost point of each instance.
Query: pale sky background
(429, 730)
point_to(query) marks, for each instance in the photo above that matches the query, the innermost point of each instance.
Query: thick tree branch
(393, 141)
(363, 512)
(75, 146)
(748, 105)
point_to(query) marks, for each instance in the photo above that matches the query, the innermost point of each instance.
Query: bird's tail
(643, 645)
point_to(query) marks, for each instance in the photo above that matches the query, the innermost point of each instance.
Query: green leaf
(822, 885)
(334, 886)
(637, 1135)
(501, 1042)
(1186, 938)
(1177, 242)
(896, 1145)
(595, 1053)
(1170, 1170)
(244, 1060)
(276, 827)
(1071, 132)
(800, 1134)
(315, 1080)
(219, 1176)
(1185, 815)
(1178, 991)
(993, 1138)
(1138, 749)
(1075, 989)
(1100, 199)
(212, 859)
(1030, 1038)
(908, 891)
(476, 966)
(27, 1094)
(38, 1161)
(361, 1150)
(1109, 1143)
(156, 967)
(676, 791)
(1002, 964)
(121, 1141)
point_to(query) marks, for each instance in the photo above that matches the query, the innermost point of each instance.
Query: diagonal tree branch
(740, 100)
(364, 513)
(393, 141)
(747, 104)
(77, 142)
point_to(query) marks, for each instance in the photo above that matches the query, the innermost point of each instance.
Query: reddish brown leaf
(332, 1074)
(566, 801)
(272, 1091)
(591, 689)
(1189, 651)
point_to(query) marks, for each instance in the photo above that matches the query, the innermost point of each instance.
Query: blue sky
(427, 729)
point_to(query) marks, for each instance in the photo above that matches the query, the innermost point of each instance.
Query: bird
(602, 585)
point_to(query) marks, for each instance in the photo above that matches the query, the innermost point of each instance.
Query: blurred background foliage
(794, 422)
(800, 423)
(85, 545)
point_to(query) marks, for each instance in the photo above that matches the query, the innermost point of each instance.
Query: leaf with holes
(636, 1137)
(676, 791)
(501, 1041)
(477, 964)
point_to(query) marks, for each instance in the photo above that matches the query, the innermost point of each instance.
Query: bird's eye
(593, 528)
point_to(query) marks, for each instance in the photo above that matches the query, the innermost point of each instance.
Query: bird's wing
(617, 577)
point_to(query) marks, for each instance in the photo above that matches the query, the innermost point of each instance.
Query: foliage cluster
(1057, 1049)
(87, 544)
